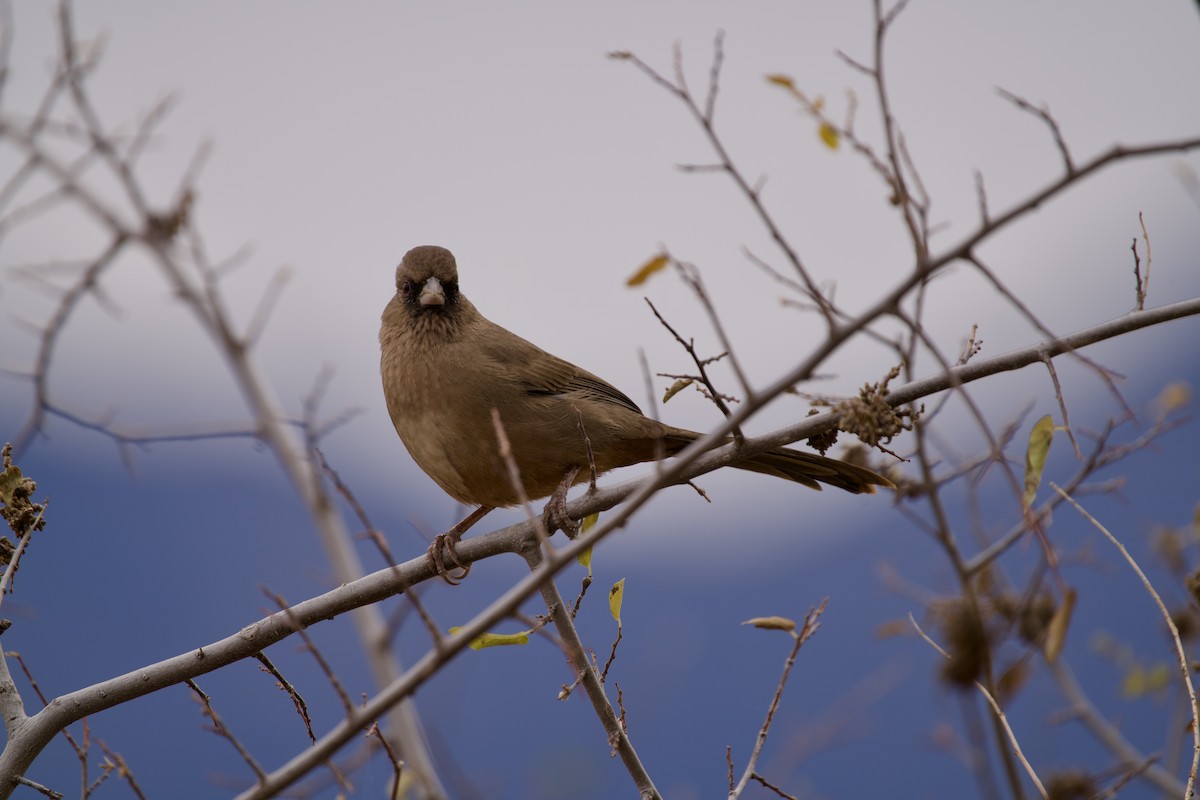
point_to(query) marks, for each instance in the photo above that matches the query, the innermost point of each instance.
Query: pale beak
(432, 293)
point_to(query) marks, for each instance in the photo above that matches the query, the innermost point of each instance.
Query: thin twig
(768, 785)
(996, 710)
(122, 768)
(14, 559)
(690, 347)
(1062, 405)
(290, 690)
(1180, 653)
(1109, 734)
(810, 626)
(219, 728)
(37, 787)
(514, 480)
(1143, 282)
(1044, 115)
(691, 276)
(375, 537)
(311, 647)
(704, 118)
(393, 759)
(613, 724)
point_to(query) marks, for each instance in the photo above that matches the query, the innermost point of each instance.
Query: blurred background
(343, 135)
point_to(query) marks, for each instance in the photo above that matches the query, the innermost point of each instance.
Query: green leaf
(1035, 456)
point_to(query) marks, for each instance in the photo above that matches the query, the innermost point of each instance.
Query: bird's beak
(432, 293)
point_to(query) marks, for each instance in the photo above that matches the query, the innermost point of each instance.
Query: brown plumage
(445, 367)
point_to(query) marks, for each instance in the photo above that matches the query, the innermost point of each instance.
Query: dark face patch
(409, 292)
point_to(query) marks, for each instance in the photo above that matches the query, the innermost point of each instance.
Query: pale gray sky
(346, 133)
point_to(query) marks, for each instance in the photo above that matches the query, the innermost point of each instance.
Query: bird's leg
(591, 456)
(555, 514)
(446, 541)
(592, 478)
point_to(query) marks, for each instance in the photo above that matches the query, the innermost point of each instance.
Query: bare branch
(614, 726)
(290, 690)
(999, 712)
(1044, 115)
(219, 728)
(810, 626)
(701, 364)
(1185, 670)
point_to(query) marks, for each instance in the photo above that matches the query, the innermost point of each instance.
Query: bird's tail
(809, 469)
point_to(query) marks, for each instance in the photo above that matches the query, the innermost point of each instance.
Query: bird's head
(427, 280)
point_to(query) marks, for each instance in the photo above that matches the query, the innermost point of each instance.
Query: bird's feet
(441, 550)
(554, 516)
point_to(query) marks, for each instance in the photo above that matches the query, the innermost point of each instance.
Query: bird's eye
(406, 288)
(451, 289)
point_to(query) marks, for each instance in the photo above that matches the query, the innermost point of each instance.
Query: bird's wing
(542, 374)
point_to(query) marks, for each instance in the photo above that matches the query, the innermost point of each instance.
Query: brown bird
(445, 367)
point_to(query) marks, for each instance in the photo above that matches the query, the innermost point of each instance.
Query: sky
(343, 134)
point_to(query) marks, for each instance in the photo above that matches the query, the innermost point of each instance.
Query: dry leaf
(772, 623)
(1056, 631)
(646, 270)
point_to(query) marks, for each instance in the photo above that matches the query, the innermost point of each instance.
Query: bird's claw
(442, 548)
(554, 516)
(445, 542)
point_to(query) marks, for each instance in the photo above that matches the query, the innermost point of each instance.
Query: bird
(446, 370)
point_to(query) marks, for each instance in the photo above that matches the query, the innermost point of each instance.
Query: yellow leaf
(677, 387)
(1134, 684)
(496, 639)
(615, 596)
(829, 135)
(585, 558)
(1056, 631)
(589, 522)
(1158, 678)
(1035, 456)
(1173, 397)
(646, 270)
(772, 623)
(782, 80)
